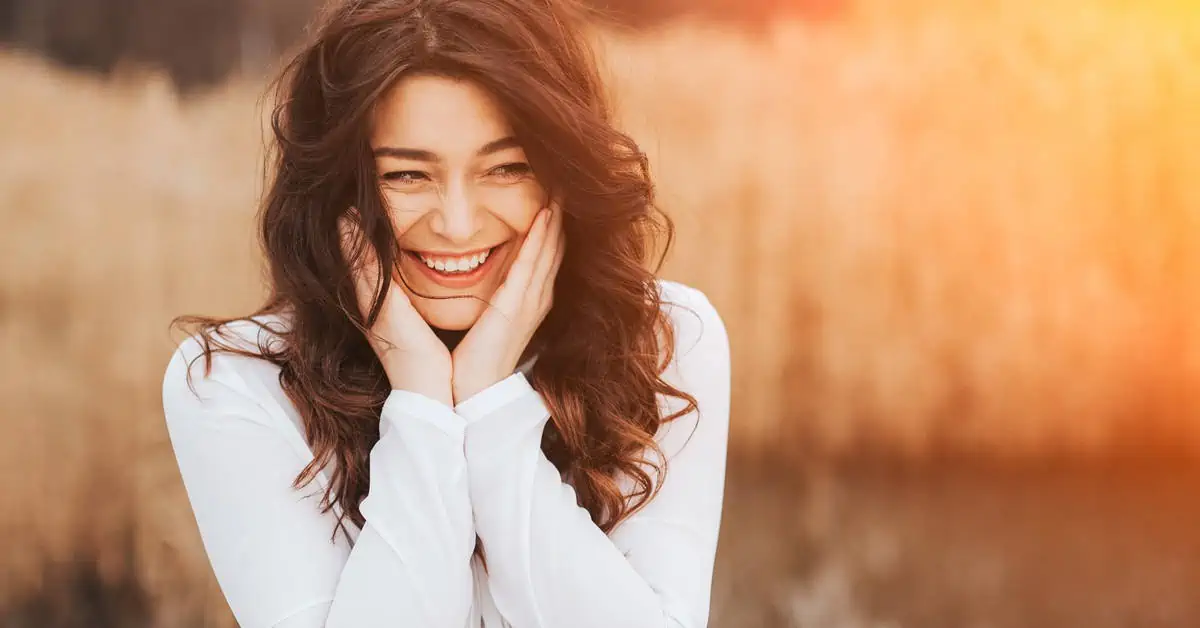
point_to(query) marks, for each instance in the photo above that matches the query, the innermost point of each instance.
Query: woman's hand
(413, 357)
(491, 349)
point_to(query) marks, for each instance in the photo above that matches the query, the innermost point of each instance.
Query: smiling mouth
(451, 265)
(456, 270)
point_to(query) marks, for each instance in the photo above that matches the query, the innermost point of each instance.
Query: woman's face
(459, 190)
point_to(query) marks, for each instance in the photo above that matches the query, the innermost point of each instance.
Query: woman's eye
(513, 170)
(405, 176)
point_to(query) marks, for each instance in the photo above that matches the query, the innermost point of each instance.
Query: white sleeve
(548, 564)
(275, 553)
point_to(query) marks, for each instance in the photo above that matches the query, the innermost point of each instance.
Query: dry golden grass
(967, 229)
(956, 230)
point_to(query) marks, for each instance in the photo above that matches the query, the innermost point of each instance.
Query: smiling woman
(464, 348)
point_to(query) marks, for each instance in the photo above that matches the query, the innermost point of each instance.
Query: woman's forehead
(448, 116)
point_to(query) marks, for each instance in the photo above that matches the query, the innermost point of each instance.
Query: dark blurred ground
(963, 547)
(882, 547)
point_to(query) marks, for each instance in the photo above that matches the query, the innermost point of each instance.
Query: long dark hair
(606, 342)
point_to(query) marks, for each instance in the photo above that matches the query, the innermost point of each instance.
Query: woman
(521, 426)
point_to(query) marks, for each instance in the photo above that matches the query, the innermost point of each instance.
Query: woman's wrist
(442, 394)
(428, 380)
(468, 385)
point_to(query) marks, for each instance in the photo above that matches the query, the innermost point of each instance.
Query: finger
(513, 291)
(521, 270)
(558, 257)
(550, 241)
(543, 274)
(548, 293)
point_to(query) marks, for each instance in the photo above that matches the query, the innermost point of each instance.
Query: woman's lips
(457, 280)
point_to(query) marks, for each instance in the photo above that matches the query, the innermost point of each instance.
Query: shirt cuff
(496, 397)
(405, 405)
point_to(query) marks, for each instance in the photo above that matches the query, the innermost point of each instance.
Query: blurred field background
(955, 245)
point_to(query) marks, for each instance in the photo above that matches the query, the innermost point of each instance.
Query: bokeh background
(955, 245)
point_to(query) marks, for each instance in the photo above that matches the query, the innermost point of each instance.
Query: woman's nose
(456, 219)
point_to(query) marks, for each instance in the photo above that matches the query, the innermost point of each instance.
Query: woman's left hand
(492, 348)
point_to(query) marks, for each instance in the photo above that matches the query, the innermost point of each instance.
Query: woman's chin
(451, 314)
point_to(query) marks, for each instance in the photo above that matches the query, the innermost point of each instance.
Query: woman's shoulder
(679, 293)
(697, 325)
(223, 362)
(220, 406)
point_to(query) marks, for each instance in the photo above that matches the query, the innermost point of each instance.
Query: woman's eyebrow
(416, 154)
(420, 154)
(496, 146)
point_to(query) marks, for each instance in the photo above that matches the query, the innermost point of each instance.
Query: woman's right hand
(413, 357)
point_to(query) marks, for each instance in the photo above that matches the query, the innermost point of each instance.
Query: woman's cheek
(406, 209)
(517, 205)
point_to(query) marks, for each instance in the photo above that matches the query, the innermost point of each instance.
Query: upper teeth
(455, 264)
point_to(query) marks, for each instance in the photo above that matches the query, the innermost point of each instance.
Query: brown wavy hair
(604, 345)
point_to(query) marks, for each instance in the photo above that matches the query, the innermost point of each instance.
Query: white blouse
(438, 477)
